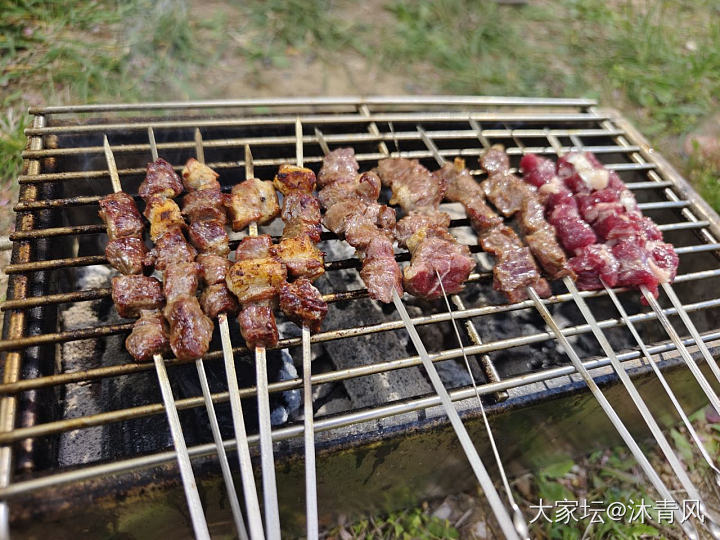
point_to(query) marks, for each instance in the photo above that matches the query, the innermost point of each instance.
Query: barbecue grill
(86, 446)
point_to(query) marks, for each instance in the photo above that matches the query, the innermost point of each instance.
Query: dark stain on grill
(72, 339)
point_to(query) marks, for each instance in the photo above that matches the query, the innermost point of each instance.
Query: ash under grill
(75, 407)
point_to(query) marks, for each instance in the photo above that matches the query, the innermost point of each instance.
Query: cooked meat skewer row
(190, 329)
(133, 293)
(515, 269)
(424, 230)
(301, 302)
(256, 275)
(204, 207)
(352, 212)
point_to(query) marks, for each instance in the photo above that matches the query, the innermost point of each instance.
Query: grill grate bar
(325, 424)
(289, 121)
(344, 138)
(352, 101)
(222, 165)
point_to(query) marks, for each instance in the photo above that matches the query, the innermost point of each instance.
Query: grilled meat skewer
(424, 230)
(352, 212)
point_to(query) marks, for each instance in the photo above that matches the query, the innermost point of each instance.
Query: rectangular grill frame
(367, 112)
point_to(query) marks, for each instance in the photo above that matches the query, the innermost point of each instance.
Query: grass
(412, 524)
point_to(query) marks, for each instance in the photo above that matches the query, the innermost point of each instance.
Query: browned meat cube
(292, 179)
(213, 268)
(253, 247)
(482, 217)
(120, 215)
(514, 272)
(416, 221)
(438, 253)
(180, 280)
(303, 304)
(341, 214)
(413, 186)
(461, 186)
(209, 237)
(532, 215)
(257, 326)
(252, 201)
(548, 253)
(163, 215)
(500, 240)
(205, 205)
(216, 299)
(337, 166)
(495, 160)
(127, 254)
(197, 176)
(256, 279)
(171, 248)
(160, 180)
(134, 293)
(301, 214)
(301, 257)
(190, 329)
(506, 192)
(365, 186)
(148, 336)
(380, 272)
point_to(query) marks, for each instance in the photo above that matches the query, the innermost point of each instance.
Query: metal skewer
(518, 519)
(267, 459)
(499, 510)
(622, 374)
(214, 425)
(310, 478)
(186, 473)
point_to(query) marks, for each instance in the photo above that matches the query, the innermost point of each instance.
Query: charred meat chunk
(180, 280)
(303, 303)
(256, 274)
(160, 180)
(133, 293)
(205, 205)
(301, 214)
(257, 326)
(190, 329)
(293, 179)
(197, 176)
(127, 254)
(417, 221)
(209, 237)
(148, 336)
(216, 299)
(365, 186)
(252, 201)
(163, 215)
(121, 216)
(338, 165)
(171, 248)
(213, 268)
(301, 257)
(413, 186)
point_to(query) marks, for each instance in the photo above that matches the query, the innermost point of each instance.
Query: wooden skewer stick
(186, 473)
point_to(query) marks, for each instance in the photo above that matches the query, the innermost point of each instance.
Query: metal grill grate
(64, 177)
